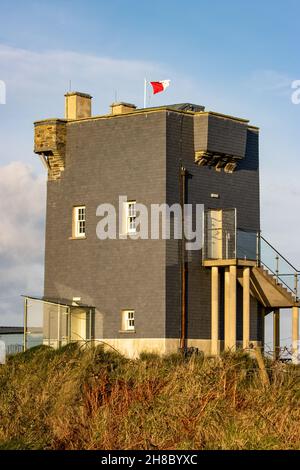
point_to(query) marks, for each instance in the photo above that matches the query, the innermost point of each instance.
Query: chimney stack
(78, 105)
(122, 108)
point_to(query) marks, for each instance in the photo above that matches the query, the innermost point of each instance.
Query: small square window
(128, 320)
(79, 221)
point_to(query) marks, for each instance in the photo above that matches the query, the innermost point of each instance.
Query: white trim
(128, 321)
(130, 217)
(79, 221)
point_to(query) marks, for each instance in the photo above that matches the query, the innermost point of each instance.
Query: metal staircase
(274, 278)
(274, 281)
(269, 291)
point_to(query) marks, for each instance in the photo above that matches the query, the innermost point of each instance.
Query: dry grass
(74, 399)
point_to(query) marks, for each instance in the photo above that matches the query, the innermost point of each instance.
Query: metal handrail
(281, 256)
(277, 274)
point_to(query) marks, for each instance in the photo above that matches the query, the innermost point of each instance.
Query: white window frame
(79, 221)
(128, 320)
(131, 217)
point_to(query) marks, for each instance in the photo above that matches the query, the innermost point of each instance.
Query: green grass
(92, 399)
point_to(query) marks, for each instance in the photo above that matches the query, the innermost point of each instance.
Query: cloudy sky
(233, 57)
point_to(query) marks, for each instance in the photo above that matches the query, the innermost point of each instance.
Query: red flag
(160, 86)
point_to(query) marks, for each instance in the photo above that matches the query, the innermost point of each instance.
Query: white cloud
(22, 209)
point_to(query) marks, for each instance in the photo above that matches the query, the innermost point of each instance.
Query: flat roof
(63, 302)
(181, 108)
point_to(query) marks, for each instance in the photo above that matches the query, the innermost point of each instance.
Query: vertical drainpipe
(182, 178)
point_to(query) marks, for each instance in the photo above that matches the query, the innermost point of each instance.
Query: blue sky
(234, 57)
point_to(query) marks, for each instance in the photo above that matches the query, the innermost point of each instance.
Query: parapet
(50, 143)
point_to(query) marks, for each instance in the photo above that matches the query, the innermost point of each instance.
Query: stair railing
(267, 255)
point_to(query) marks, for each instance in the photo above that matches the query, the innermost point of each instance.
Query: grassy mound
(75, 399)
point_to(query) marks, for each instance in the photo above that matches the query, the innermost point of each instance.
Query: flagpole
(145, 93)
